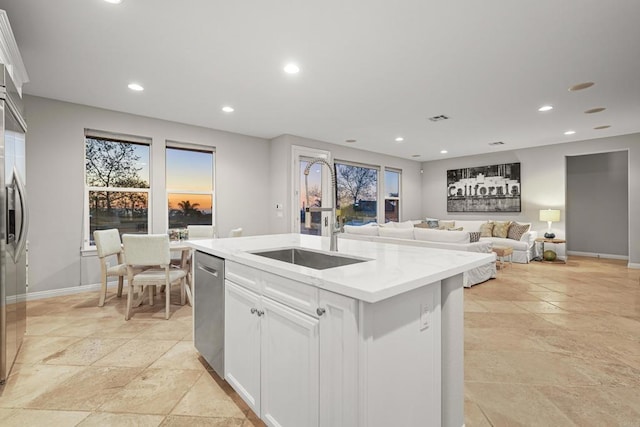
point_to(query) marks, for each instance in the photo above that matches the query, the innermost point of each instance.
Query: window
(189, 186)
(357, 193)
(392, 195)
(116, 184)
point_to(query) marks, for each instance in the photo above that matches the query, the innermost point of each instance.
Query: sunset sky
(189, 171)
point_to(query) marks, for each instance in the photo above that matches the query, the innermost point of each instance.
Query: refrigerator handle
(24, 221)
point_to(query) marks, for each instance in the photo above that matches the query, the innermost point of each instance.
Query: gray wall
(597, 203)
(55, 174)
(252, 173)
(281, 185)
(543, 174)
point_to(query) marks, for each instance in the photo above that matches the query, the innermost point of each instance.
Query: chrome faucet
(334, 225)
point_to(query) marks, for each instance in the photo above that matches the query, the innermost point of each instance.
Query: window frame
(169, 144)
(87, 245)
(378, 191)
(398, 198)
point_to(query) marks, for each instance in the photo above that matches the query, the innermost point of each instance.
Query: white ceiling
(371, 70)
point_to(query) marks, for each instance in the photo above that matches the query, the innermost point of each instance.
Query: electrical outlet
(425, 316)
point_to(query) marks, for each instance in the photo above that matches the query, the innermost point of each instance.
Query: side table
(543, 240)
(502, 252)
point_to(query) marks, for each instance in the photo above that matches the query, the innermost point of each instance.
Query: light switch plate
(425, 316)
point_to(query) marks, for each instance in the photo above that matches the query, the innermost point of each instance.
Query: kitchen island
(377, 342)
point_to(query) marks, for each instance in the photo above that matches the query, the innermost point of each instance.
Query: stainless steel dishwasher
(208, 309)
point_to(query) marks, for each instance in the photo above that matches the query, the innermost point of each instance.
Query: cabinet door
(289, 366)
(242, 343)
(338, 360)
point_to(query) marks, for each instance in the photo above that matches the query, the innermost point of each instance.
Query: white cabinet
(271, 354)
(242, 344)
(301, 356)
(289, 366)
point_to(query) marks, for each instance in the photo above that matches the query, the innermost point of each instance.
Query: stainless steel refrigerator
(14, 223)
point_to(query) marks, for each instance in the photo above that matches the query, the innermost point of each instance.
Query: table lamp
(549, 215)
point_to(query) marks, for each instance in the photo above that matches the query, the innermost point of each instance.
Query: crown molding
(10, 55)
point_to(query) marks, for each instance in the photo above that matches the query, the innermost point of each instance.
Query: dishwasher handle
(208, 269)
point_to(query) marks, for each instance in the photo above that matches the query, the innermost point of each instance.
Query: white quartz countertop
(391, 269)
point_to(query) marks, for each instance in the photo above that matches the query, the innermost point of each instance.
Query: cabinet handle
(320, 311)
(260, 312)
(253, 310)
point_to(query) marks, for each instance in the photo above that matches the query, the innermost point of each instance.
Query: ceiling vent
(439, 118)
(496, 143)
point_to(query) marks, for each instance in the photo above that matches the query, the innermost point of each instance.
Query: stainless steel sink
(307, 258)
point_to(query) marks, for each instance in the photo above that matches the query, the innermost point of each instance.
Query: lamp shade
(550, 215)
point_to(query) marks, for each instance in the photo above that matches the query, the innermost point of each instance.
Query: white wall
(281, 185)
(543, 177)
(55, 174)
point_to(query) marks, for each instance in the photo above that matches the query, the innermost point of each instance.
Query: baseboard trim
(33, 296)
(597, 255)
(634, 265)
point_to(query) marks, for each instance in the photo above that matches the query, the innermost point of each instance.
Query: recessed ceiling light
(228, 109)
(595, 110)
(602, 127)
(443, 151)
(135, 86)
(291, 69)
(114, 1)
(545, 108)
(399, 139)
(415, 155)
(570, 132)
(581, 86)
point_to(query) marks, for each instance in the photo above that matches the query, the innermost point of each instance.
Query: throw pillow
(516, 231)
(455, 229)
(486, 229)
(501, 229)
(433, 223)
(445, 225)
(474, 236)
(422, 225)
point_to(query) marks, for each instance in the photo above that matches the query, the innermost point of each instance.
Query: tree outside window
(357, 193)
(117, 185)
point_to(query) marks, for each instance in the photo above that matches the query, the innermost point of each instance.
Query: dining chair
(150, 250)
(108, 245)
(201, 231)
(236, 232)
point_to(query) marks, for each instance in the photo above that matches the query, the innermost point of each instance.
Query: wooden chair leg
(183, 291)
(103, 291)
(151, 293)
(167, 293)
(120, 285)
(127, 312)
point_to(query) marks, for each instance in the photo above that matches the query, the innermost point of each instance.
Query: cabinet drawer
(243, 275)
(295, 294)
(289, 292)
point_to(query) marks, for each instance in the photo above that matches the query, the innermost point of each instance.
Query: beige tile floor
(554, 345)
(545, 345)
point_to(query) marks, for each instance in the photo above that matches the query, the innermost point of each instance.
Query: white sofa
(523, 249)
(406, 234)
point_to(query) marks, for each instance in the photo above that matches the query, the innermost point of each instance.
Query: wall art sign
(494, 188)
